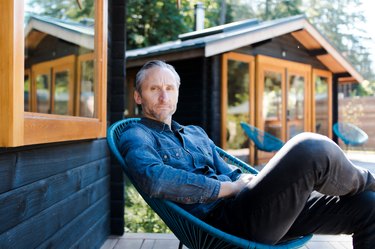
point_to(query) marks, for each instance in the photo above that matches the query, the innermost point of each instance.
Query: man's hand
(228, 189)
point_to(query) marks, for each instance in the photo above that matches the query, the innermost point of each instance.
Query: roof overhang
(303, 31)
(228, 37)
(37, 29)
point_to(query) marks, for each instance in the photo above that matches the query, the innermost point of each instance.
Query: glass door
(322, 107)
(297, 101)
(273, 102)
(284, 97)
(237, 99)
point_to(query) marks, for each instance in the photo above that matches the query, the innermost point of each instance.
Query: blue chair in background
(350, 134)
(262, 140)
(191, 231)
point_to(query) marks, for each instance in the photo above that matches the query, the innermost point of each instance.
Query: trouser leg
(268, 207)
(334, 215)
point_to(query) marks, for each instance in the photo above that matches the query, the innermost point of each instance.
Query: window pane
(238, 103)
(296, 105)
(87, 89)
(43, 90)
(321, 105)
(57, 33)
(272, 103)
(61, 93)
(26, 92)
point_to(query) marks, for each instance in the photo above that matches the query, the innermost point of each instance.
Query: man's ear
(137, 98)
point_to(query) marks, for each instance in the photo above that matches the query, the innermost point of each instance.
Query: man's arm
(160, 180)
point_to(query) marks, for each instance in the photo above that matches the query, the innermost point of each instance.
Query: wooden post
(11, 73)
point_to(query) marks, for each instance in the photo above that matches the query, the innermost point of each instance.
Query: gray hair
(139, 78)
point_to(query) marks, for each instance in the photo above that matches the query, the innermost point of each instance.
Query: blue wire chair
(262, 140)
(350, 134)
(191, 231)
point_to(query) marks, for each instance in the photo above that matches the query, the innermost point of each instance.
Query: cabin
(281, 76)
(61, 85)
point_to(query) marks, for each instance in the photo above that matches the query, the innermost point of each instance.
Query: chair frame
(270, 144)
(191, 231)
(348, 141)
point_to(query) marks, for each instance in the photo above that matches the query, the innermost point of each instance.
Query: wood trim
(19, 128)
(224, 99)
(11, 73)
(101, 33)
(224, 94)
(48, 128)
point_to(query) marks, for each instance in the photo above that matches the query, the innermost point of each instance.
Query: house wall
(115, 104)
(294, 51)
(55, 195)
(63, 195)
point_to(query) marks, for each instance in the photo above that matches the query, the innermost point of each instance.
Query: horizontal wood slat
(72, 232)
(42, 162)
(42, 226)
(22, 203)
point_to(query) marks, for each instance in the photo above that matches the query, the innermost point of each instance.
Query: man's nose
(163, 95)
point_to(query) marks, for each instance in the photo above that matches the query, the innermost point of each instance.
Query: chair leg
(180, 245)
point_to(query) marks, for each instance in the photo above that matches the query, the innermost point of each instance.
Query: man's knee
(311, 145)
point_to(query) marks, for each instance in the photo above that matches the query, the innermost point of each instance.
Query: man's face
(159, 95)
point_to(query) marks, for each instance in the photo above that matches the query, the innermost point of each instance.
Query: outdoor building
(281, 76)
(58, 188)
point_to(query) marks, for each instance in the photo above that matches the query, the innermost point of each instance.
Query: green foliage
(63, 9)
(139, 217)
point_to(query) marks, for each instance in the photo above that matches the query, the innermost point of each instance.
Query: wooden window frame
(50, 68)
(224, 93)
(81, 58)
(284, 67)
(17, 127)
(328, 75)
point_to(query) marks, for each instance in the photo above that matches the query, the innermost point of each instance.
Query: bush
(139, 217)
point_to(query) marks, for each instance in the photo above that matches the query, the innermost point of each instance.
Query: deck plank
(129, 244)
(169, 241)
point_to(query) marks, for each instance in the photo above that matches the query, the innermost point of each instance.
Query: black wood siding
(55, 196)
(115, 103)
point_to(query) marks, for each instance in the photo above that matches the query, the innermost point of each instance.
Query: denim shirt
(178, 163)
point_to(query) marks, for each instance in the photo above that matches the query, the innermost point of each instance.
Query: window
(322, 106)
(48, 104)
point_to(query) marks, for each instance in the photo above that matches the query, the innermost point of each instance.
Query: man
(309, 186)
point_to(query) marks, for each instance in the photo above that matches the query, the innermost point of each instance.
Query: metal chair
(350, 134)
(191, 231)
(262, 140)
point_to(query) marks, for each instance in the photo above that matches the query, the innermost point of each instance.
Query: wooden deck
(169, 241)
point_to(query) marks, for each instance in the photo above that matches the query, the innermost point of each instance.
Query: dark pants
(309, 186)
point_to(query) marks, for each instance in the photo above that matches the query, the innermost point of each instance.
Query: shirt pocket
(175, 157)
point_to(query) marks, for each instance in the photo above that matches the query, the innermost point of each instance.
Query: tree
(340, 22)
(62, 9)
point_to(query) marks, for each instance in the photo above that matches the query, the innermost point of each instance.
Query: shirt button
(165, 156)
(177, 154)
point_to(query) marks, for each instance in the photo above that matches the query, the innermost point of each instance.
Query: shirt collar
(160, 126)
